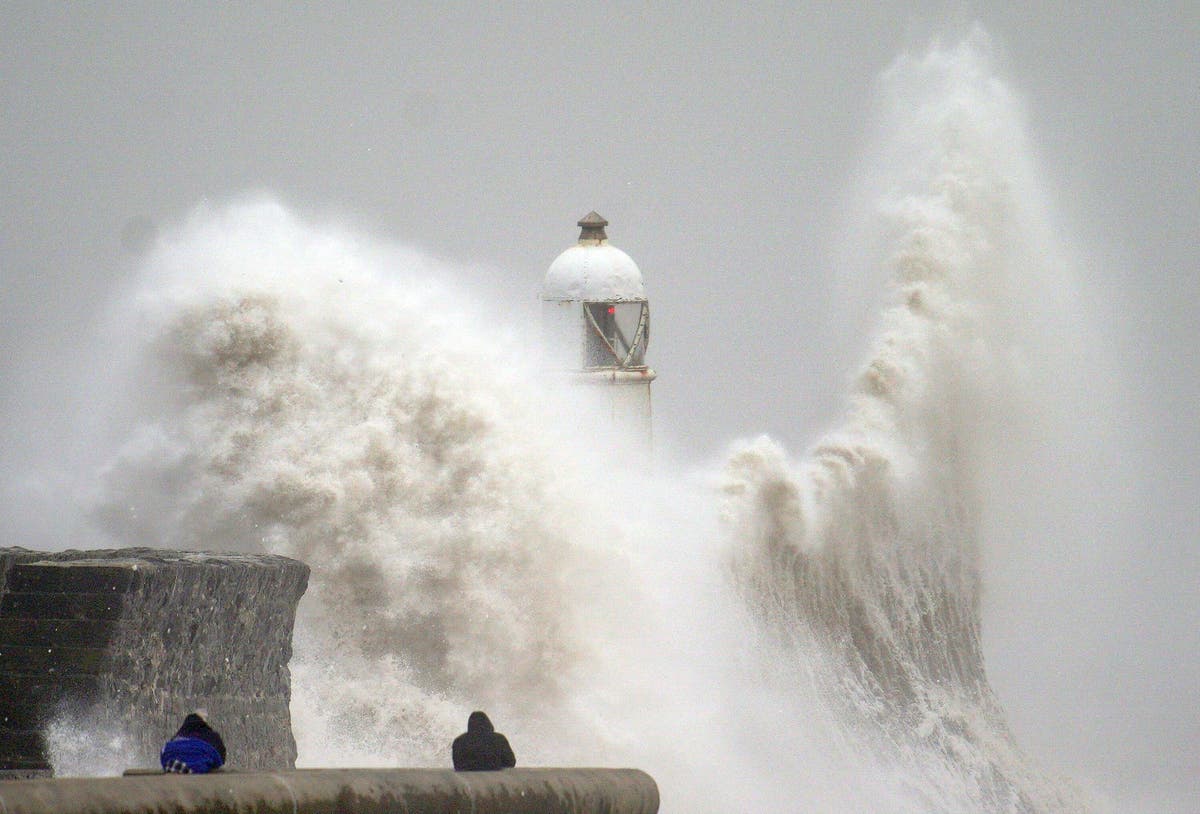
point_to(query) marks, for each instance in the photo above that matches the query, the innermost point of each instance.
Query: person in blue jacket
(481, 747)
(197, 748)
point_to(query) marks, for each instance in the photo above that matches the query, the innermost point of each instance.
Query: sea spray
(307, 391)
(864, 557)
(324, 399)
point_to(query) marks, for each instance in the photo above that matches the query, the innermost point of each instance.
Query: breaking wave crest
(864, 557)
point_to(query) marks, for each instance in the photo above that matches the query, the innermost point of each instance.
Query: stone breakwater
(123, 643)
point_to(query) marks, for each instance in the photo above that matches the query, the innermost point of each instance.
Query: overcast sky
(721, 144)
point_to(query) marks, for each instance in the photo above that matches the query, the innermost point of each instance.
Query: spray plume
(864, 558)
(309, 393)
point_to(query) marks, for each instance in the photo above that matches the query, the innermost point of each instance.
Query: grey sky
(720, 142)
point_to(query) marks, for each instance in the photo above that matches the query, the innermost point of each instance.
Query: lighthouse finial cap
(592, 227)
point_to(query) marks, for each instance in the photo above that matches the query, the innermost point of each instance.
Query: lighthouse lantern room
(596, 323)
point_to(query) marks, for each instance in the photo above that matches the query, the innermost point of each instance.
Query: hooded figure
(481, 747)
(195, 749)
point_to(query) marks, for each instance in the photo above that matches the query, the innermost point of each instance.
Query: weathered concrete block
(128, 641)
(51, 632)
(86, 577)
(60, 606)
(48, 660)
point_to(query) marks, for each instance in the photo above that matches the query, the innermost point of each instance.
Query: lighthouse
(596, 327)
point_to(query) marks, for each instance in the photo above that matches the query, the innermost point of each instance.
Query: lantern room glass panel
(617, 334)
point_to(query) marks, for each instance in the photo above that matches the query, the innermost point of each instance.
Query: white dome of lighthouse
(593, 270)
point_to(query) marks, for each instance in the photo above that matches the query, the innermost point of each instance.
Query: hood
(479, 723)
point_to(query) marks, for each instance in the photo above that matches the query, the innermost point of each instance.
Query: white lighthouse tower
(596, 326)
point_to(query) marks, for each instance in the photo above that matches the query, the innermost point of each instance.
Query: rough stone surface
(131, 640)
(363, 791)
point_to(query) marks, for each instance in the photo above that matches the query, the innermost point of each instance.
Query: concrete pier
(343, 791)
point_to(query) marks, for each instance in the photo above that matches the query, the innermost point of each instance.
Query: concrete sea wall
(126, 642)
(361, 791)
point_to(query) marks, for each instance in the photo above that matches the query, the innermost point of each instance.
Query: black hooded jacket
(481, 747)
(196, 727)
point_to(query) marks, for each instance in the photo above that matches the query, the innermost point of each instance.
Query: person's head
(479, 722)
(193, 722)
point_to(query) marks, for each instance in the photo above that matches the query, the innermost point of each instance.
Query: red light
(612, 309)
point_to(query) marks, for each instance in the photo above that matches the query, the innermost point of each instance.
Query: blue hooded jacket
(196, 745)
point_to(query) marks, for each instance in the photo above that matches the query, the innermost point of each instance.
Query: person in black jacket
(197, 748)
(481, 748)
